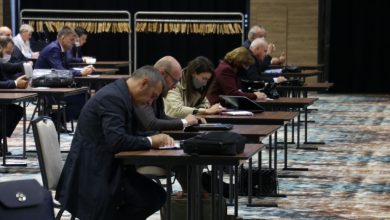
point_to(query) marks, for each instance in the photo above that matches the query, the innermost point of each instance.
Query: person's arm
(71, 59)
(174, 104)
(149, 121)
(7, 84)
(54, 60)
(114, 122)
(230, 85)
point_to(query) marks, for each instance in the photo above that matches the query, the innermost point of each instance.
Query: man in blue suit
(53, 56)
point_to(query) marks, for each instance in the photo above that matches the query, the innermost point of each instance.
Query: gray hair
(26, 28)
(253, 31)
(150, 72)
(66, 31)
(258, 42)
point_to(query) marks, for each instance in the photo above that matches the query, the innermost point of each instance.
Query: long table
(57, 93)
(7, 99)
(170, 158)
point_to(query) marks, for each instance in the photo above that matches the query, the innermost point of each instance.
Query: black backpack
(215, 143)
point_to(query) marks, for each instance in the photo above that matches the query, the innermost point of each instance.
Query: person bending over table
(227, 76)
(93, 184)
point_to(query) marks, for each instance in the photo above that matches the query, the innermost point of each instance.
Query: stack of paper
(238, 113)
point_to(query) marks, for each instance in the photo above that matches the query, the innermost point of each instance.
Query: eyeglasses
(175, 81)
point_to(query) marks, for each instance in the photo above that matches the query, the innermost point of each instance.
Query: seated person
(153, 117)
(14, 112)
(93, 184)
(75, 55)
(258, 50)
(14, 55)
(258, 31)
(189, 95)
(53, 56)
(227, 76)
(22, 41)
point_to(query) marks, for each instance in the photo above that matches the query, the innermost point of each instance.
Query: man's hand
(260, 95)
(21, 82)
(271, 48)
(88, 70)
(191, 120)
(280, 79)
(160, 140)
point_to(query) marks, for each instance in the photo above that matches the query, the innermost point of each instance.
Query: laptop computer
(242, 103)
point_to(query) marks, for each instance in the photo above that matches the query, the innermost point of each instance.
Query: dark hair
(65, 31)
(80, 31)
(198, 65)
(4, 41)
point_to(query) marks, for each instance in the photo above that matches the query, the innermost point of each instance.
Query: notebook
(242, 103)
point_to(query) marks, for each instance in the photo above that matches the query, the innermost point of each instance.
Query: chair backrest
(48, 149)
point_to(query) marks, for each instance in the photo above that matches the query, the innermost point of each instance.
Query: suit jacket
(153, 118)
(256, 71)
(8, 74)
(226, 83)
(51, 57)
(17, 56)
(75, 55)
(91, 176)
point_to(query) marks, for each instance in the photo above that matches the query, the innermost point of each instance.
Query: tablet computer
(242, 103)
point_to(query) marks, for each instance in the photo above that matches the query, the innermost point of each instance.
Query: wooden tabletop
(48, 91)
(105, 63)
(9, 98)
(263, 118)
(314, 86)
(178, 157)
(105, 78)
(287, 102)
(303, 73)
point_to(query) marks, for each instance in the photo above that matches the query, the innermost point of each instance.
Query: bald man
(16, 55)
(153, 117)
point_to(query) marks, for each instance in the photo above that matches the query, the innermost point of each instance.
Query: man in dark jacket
(93, 185)
(14, 112)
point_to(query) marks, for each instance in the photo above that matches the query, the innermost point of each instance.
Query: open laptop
(242, 103)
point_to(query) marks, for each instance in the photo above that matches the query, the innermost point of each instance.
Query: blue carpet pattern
(348, 177)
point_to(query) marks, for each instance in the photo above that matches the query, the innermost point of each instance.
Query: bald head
(259, 48)
(5, 31)
(170, 69)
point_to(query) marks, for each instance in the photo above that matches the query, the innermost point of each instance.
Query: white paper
(238, 113)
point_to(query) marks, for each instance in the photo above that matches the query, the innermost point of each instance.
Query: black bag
(251, 85)
(271, 91)
(215, 143)
(25, 200)
(52, 78)
(268, 182)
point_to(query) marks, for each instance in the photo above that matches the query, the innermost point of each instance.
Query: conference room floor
(348, 177)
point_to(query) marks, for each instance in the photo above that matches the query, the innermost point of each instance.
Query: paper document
(238, 113)
(171, 147)
(273, 71)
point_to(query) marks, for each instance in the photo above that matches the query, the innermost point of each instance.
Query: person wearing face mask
(75, 55)
(227, 76)
(189, 96)
(7, 46)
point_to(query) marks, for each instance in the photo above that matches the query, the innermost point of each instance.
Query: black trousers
(14, 114)
(141, 198)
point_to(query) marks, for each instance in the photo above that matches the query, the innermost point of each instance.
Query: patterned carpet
(348, 177)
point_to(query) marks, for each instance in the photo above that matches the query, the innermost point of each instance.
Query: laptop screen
(242, 103)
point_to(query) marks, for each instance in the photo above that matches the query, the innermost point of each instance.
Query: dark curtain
(359, 46)
(152, 46)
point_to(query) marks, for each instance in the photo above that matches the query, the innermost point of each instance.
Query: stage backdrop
(150, 46)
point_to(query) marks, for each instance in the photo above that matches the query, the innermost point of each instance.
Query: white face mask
(6, 58)
(76, 44)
